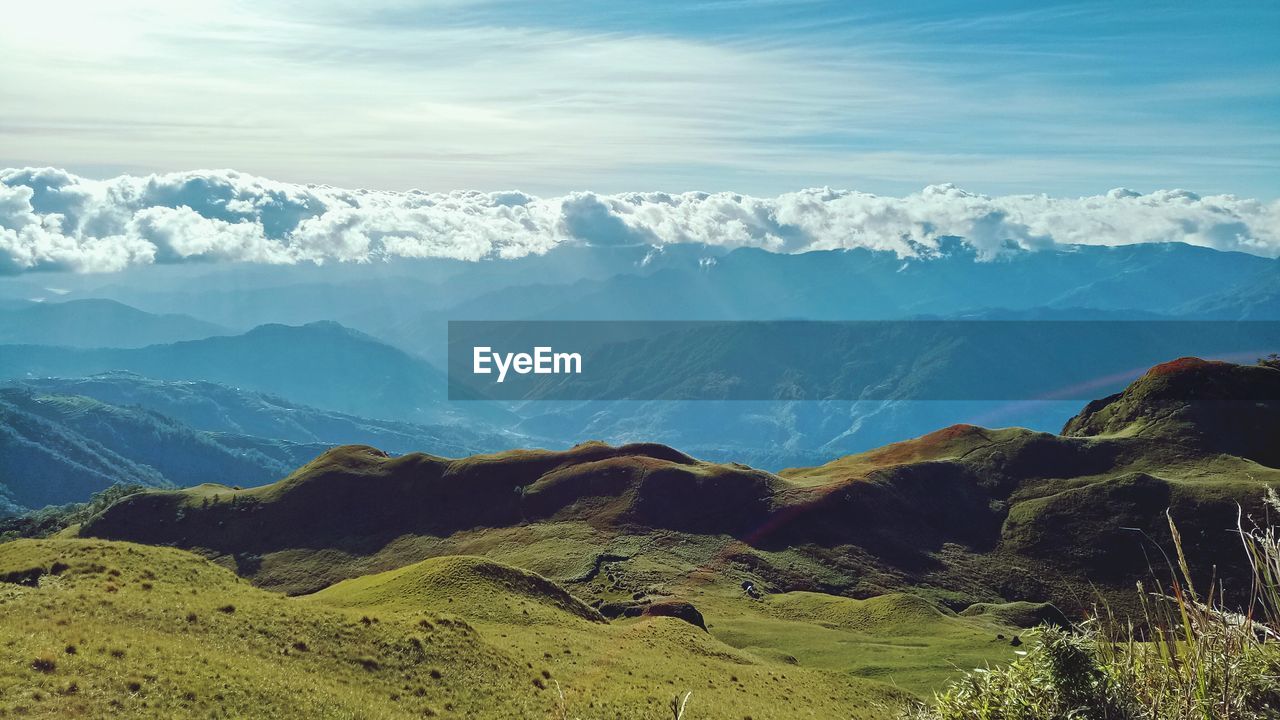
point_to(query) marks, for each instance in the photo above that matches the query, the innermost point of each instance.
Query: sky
(748, 96)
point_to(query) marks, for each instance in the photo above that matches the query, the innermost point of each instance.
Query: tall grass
(1187, 656)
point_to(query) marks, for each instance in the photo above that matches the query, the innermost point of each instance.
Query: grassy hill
(962, 515)
(603, 581)
(157, 632)
(162, 633)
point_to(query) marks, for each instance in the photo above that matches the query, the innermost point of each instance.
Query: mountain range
(321, 364)
(1191, 435)
(97, 323)
(609, 579)
(64, 439)
(390, 374)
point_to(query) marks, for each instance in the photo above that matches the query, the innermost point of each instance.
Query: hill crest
(964, 505)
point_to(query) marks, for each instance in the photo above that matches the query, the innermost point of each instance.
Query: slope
(321, 364)
(62, 448)
(963, 515)
(221, 408)
(104, 628)
(44, 463)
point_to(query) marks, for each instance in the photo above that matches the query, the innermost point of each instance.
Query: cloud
(54, 220)
(601, 221)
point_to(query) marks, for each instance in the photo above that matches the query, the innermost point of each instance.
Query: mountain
(860, 284)
(963, 507)
(97, 323)
(218, 408)
(1197, 405)
(62, 448)
(1256, 297)
(321, 364)
(44, 463)
(782, 394)
(64, 439)
(604, 581)
(407, 302)
(368, 296)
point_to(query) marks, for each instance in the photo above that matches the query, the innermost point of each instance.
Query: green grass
(158, 632)
(483, 589)
(152, 632)
(899, 639)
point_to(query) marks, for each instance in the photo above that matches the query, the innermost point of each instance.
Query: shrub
(1188, 659)
(49, 520)
(44, 664)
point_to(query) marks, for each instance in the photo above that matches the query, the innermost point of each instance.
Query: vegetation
(236, 412)
(95, 628)
(70, 446)
(1186, 657)
(53, 519)
(606, 582)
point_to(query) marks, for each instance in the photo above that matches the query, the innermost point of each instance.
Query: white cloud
(54, 220)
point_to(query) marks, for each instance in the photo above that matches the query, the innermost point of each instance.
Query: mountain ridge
(311, 364)
(979, 503)
(89, 323)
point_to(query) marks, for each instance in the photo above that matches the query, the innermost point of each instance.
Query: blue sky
(753, 96)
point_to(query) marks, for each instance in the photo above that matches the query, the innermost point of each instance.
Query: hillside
(63, 439)
(158, 632)
(97, 323)
(62, 448)
(43, 463)
(956, 514)
(311, 364)
(602, 581)
(1208, 406)
(219, 408)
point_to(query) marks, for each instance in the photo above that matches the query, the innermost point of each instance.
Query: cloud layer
(53, 220)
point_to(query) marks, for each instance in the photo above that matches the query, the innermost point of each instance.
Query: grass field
(94, 628)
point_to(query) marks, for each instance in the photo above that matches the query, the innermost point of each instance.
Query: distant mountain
(63, 448)
(1166, 280)
(220, 408)
(321, 364)
(44, 462)
(865, 284)
(96, 323)
(407, 302)
(1254, 298)
(801, 393)
(183, 455)
(366, 296)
